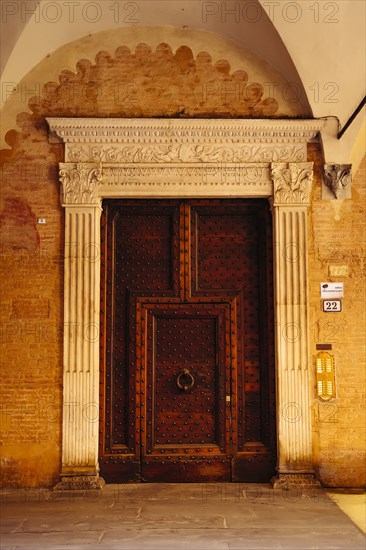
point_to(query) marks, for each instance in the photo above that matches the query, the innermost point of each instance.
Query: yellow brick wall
(337, 237)
(31, 312)
(159, 83)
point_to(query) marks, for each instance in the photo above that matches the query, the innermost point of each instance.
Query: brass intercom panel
(325, 376)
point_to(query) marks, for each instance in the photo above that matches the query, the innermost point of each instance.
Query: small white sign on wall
(330, 306)
(331, 290)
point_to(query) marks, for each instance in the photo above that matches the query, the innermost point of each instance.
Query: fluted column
(291, 190)
(81, 326)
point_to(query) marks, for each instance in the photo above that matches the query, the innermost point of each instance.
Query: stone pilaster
(291, 189)
(81, 326)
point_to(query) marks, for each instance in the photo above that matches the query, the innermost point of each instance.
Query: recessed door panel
(187, 375)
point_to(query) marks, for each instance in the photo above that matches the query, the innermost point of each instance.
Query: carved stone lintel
(291, 182)
(337, 178)
(303, 480)
(80, 183)
(79, 483)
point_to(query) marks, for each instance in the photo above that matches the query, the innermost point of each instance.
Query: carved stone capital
(337, 178)
(80, 183)
(291, 182)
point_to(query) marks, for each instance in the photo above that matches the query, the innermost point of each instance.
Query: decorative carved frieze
(337, 178)
(80, 183)
(185, 153)
(292, 182)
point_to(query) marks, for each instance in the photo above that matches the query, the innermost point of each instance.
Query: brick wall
(31, 309)
(338, 238)
(142, 84)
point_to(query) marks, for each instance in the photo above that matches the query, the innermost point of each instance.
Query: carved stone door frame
(140, 158)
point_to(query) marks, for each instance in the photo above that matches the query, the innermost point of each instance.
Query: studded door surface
(187, 381)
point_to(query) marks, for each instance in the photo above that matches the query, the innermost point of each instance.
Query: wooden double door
(187, 375)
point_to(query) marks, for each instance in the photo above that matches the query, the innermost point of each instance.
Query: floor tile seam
(172, 513)
(351, 530)
(50, 532)
(234, 547)
(204, 506)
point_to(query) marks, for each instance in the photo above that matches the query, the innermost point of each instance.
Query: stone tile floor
(214, 516)
(352, 503)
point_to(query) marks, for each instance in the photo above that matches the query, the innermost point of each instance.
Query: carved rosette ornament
(80, 183)
(337, 177)
(291, 182)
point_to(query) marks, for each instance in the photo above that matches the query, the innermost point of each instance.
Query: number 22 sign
(332, 306)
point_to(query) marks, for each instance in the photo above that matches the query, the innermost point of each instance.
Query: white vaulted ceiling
(317, 45)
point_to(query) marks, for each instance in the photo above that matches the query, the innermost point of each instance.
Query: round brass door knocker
(185, 380)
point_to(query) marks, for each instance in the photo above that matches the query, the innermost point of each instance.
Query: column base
(286, 480)
(79, 483)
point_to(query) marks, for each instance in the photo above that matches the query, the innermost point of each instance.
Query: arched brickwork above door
(148, 80)
(157, 83)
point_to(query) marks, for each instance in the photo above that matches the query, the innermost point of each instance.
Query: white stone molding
(205, 179)
(292, 186)
(75, 132)
(183, 158)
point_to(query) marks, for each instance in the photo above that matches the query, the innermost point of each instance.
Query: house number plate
(332, 305)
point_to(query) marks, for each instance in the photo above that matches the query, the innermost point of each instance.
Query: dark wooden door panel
(140, 257)
(187, 366)
(229, 256)
(224, 249)
(187, 377)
